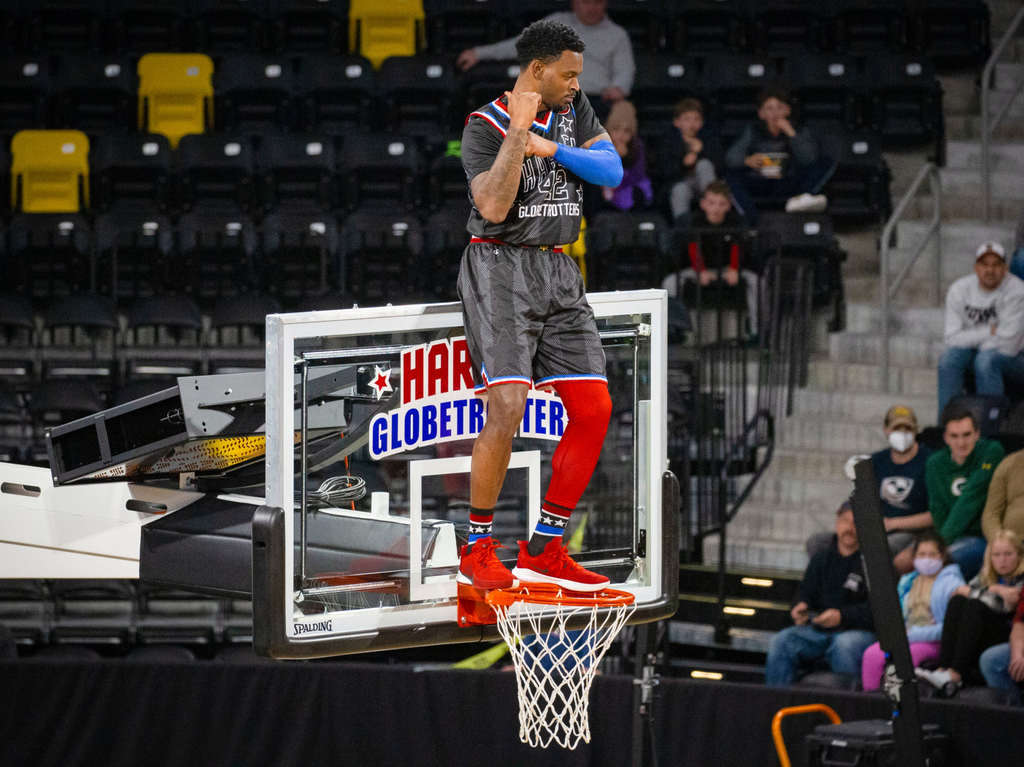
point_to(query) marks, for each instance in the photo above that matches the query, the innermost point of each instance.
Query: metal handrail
(986, 127)
(931, 172)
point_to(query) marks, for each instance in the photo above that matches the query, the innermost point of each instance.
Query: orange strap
(782, 713)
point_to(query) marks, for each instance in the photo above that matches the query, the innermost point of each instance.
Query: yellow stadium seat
(49, 171)
(175, 94)
(378, 29)
(577, 251)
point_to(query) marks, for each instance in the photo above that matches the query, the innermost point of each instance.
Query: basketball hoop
(555, 666)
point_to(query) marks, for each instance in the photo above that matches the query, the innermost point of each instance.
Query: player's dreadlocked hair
(545, 41)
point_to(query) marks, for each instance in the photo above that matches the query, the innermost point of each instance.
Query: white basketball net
(555, 668)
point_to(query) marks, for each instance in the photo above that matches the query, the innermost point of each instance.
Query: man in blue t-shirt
(901, 484)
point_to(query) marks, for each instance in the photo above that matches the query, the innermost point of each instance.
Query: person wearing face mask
(832, 619)
(984, 327)
(924, 595)
(900, 471)
(1004, 506)
(979, 614)
(958, 478)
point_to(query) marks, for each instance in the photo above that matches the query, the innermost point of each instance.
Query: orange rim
(550, 594)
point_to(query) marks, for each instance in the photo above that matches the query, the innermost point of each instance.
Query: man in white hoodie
(984, 327)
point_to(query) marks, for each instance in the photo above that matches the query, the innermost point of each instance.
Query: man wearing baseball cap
(984, 327)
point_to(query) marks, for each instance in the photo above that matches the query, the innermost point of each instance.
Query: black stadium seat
(379, 248)
(18, 367)
(309, 25)
(445, 239)
(130, 166)
(858, 190)
(229, 25)
(24, 92)
(216, 248)
(162, 339)
(487, 81)
(905, 100)
(49, 255)
(254, 93)
(215, 168)
(699, 26)
(62, 25)
(454, 25)
(134, 246)
(734, 81)
(297, 170)
(94, 93)
(379, 167)
(868, 26)
(662, 79)
(643, 20)
(298, 254)
(953, 33)
(236, 340)
(827, 88)
(787, 25)
(79, 334)
(338, 92)
(626, 250)
(149, 25)
(417, 94)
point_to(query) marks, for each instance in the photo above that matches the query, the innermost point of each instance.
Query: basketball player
(527, 319)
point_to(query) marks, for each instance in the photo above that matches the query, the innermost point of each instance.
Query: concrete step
(794, 494)
(757, 553)
(801, 463)
(966, 154)
(866, 348)
(964, 126)
(958, 181)
(858, 407)
(997, 100)
(866, 318)
(863, 288)
(1009, 74)
(903, 380)
(811, 432)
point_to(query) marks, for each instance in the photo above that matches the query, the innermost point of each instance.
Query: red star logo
(381, 381)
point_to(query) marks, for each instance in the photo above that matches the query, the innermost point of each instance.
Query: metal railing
(988, 126)
(888, 291)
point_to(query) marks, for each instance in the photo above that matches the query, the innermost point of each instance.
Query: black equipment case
(870, 743)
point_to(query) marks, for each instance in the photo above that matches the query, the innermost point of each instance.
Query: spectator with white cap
(984, 327)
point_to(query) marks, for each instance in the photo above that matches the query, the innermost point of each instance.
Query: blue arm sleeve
(600, 164)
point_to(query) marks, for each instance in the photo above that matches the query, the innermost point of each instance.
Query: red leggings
(589, 407)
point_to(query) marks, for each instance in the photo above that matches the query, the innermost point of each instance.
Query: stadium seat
(486, 82)
(826, 88)
(338, 93)
(62, 25)
(131, 167)
(133, 390)
(299, 254)
(905, 100)
(952, 33)
(215, 168)
(454, 25)
(662, 79)
(643, 20)
(134, 248)
(786, 25)
(18, 339)
(79, 336)
(93, 613)
(230, 25)
(297, 170)
(379, 167)
(57, 401)
(148, 25)
(24, 609)
(309, 25)
(858, 190)
(48, 256)
(24, 92)
(161, 339)
(523, 12)
(864, 26)
(216, 249)
(94, 93)
(699, 26)
(626, 250)
(445, 239)
(991, 410)
(418, 95)
(255, 93)
(379, 249)
(175, 94)
(446, 178)
(379, 30)
(49, 171)
(808, 237)
(236, 340)
(734, 82)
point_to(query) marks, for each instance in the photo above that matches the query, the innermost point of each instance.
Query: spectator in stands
(833, 618)
(900, 471)
(772, 159)
(714, 249)
(610, 69)
(1002, 665)
(979, 613)
(688, 155)
(924, 595)
(958, 478)
(1017, 259)
(984, 327)
(635, 188)
(1004, 506)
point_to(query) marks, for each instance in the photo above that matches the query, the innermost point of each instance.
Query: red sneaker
(554, 565)
(480, 567)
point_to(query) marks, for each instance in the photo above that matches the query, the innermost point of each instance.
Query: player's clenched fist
(522, 108)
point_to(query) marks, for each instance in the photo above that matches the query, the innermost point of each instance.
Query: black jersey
(549, 203)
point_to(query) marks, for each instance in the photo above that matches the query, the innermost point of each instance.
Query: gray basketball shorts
(527, 317)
